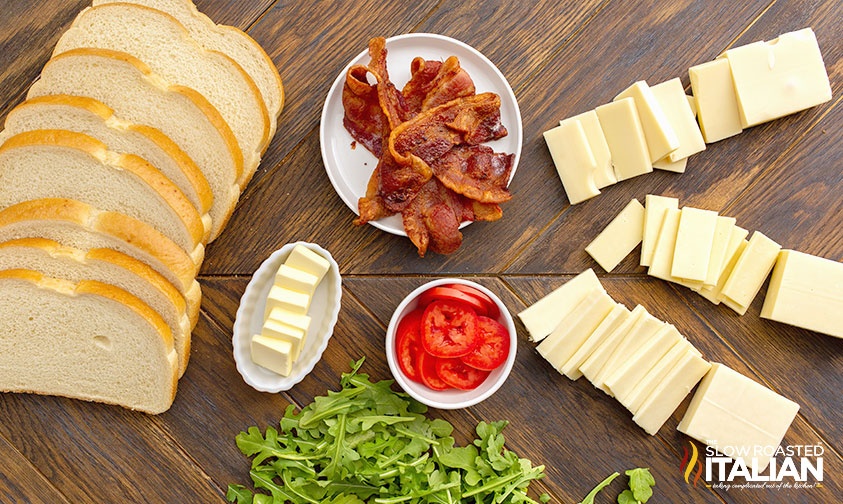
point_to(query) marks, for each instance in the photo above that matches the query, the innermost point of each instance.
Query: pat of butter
(296, 280)
(273, 354)
(613, 320)
(604, 174)
(654, 210)
(279, 330)
(291, 319)
(694, 240)
(776, 78)
(806, 291)
(671, 97)
(737, 415)
(660, 136)
(574, 160)
(304, 259)
(544, 315)
(594, 363)
(574, 329)
(642, 331)
(625, 136)
(751, 269)
(286, 299)
(669, 393)
(640, 361)
(656, 374)
(717, 103)
(618, 238)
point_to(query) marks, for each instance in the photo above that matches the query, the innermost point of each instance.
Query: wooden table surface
(561, 57)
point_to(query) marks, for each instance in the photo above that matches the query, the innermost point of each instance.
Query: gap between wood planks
(36, 470)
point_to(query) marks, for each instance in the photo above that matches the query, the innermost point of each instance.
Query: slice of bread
(51, 259)
(93, 118)
(228, 40)
(86, 340)
(126, 85)
(161, 42)
(64, 164)
(75, 224)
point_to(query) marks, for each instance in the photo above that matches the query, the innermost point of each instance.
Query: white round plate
(350, 169)
(323, 311)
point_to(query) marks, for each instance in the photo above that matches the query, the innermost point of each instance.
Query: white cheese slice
(733, 250)
(544, 315)
(671, 97)
(751, 269)
(654, 209)
(717, 103)
(631, 371)
(719, 247)
(595, 362)
(604, 173)
(669, 393)
(656, 374)
(574, 160)
(642, 331)
(613, 320)
(574, 329)
(625, 136)
(619, 237)
(658, 132)
(694, 240)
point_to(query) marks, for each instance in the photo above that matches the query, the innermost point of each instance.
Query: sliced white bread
(51, 259)
(75, 224)
(93, 118)
(228, 40)
(126, 85)
(160, 41)
(86, 340)
(64, 164)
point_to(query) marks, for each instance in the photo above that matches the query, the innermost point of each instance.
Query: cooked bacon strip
(391, 100)
(371, 207)
(431, 222)
(363, 118)
(476, 171)
(434, 83)
(422, 79)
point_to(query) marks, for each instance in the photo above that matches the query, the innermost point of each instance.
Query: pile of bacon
(432, 167)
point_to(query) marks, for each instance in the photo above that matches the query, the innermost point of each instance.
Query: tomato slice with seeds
(408, 344)
(427, 372)
(491, 308)
(457, 374)
(449, 329)
(449, 294)
(493, 348)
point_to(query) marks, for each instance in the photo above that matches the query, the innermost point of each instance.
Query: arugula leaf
(589, 499)
(626, 497)
(239, 493)
(640, 483)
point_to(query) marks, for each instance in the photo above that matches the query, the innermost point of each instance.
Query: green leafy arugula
(640, 491)
(589, 499)
(368, 444)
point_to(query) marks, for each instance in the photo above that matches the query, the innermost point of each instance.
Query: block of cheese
(662, 261)
(751, 269)
(574, 161)
(719, 247)
(296, 280)
(622, 129)
(694, 240)
(658, 132)
(613, 320)
(544, 315)
(717, 104)
(595, 362)
(656, 374)
(273, 354)
(806, 291)
(671, 97)
(286, 299)
(574, 329)
(291, 319)
(669, 393)
(737, 415)
(776, 78)
(654, 209)
(278, 330)
(618, 238)
(639, 362)
(302, 258)
(736, 244)
(644, 329)
(604, 174)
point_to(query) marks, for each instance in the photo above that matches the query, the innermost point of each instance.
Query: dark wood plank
(21, 483)
(238, 14)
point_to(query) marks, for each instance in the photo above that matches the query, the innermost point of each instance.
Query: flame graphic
(687, 466)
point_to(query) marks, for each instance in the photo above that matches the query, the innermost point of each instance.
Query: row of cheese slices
(654, 127)
(649, 367)
(127, 157)
(710, 254)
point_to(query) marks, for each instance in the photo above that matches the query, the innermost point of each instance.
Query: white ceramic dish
(323, 310)
(449, 399)
(350, 169)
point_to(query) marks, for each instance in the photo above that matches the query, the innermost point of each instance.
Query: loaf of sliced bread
(161, 42)
(126, 85)
(86, 340)
(93, 118)
(64, 164)
(75, 224)
(51, 259)
(228, 40)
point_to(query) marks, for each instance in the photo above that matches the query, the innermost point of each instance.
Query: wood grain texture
(20, 481)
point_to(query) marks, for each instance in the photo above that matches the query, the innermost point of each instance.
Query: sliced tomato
(408, 344)
(457, 374)
(427, 372)
(493, 348)
(491, 308)
(449, 294)
(449, 329)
